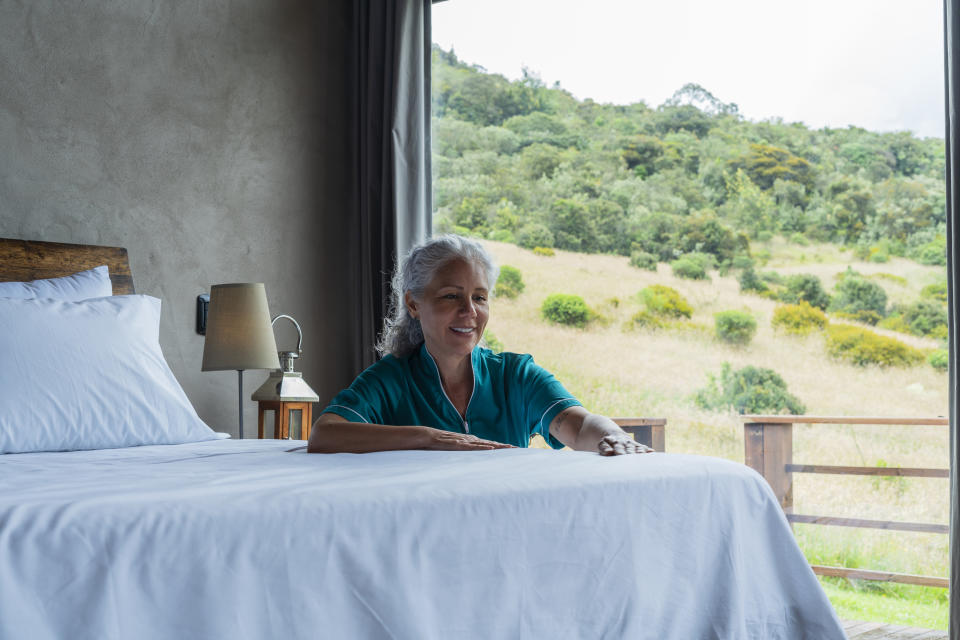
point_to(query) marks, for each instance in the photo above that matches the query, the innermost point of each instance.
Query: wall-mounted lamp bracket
(203, 303)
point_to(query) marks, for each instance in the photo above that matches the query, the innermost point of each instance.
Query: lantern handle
(297, 325)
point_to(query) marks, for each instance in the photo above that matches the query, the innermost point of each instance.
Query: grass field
(619, 371)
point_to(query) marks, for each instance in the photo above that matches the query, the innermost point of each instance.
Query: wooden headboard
(24, 260)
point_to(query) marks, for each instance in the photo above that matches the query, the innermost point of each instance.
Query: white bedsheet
(228, 539)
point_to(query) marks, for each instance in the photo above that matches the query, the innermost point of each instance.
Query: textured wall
(208, 138)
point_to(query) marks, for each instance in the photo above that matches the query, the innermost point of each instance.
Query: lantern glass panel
(295, 424)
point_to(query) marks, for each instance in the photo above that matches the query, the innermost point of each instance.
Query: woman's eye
(450, 296)
(480, 298)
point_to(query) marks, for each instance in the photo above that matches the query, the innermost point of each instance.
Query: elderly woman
(436, 388)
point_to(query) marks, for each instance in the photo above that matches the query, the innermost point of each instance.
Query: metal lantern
(287, 394)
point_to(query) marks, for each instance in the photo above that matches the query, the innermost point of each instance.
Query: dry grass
(623, 372)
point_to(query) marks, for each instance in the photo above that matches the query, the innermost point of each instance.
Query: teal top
(513, 398)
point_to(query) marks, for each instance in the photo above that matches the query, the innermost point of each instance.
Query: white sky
(876, 64)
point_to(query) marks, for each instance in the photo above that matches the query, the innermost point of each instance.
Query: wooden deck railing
(648, 431)
(768, 448)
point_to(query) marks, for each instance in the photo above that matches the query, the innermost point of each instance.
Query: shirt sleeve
(368, 397)
(544, 397)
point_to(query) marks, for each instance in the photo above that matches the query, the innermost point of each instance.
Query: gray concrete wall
(209, 139)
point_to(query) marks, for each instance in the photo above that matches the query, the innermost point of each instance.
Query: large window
(751, 208)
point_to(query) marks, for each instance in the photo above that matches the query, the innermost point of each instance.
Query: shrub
(894, 322)
(936, 291)
(863, 347)
(750, 281)
(544, 251)
(748, 390)
(798, 238)
(665, 302)
(855, 294)
(932, 253)
(647, 320)
(502, 235)
(939, 359)
(772, 277)
(742, 262)
(533, 235)
(925, 318)
(735, 327)
(491, 342)
(891, 277)
(643, 260)
(805, 287)
(510, 283)
(565, 309)
(864, 316)
(799, 318)
(706, 260)
(689, 268)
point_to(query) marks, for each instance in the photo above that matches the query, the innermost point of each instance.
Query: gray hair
(402, 333)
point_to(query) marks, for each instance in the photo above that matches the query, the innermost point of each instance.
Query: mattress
(250, 539)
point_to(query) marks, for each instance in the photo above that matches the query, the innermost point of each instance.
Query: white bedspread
(227, 539)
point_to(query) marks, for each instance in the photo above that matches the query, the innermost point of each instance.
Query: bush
(565, 309)
(510, 283)
(925, 318)
(932, 253)
(805, 287)
(689, 268)
(863, 347)
(936, 291)
(742, 262)
(748, 390)
(798, 238)
(643, 260)
(490, 342)
(502, 235)
(665, 302)
(735, 327)
(533, 235)
(750, 281)
(544, 251)
(799, 318)
(647, 320)
(939, 359)
(855, 294)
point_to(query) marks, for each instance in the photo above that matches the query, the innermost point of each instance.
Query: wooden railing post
(768, 449)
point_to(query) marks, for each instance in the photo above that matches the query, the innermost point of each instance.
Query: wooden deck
(857, 630)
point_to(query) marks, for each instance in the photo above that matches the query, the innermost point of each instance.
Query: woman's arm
(584, 431)
(332, 433)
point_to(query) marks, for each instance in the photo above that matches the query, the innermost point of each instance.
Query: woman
(435, 388)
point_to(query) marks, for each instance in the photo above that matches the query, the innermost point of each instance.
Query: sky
(875, 64)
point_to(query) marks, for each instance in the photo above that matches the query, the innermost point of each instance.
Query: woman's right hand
(440, 440)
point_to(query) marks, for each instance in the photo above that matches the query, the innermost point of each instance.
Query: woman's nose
(468, 308)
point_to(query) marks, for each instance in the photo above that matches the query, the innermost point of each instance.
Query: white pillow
(88, 375)
(94, 283)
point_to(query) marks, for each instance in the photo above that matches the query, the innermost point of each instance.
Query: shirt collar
(427, 366)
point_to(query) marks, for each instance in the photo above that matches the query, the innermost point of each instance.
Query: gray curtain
(391, 152)
(952, 73)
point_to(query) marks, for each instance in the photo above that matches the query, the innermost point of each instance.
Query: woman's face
(453, 310)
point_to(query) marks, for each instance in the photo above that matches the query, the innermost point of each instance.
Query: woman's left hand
(618, 445)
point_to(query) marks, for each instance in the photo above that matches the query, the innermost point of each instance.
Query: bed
(216, 538)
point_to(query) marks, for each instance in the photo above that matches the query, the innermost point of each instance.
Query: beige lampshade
(239, 334)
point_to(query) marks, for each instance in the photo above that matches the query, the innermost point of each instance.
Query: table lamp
(239, 333)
